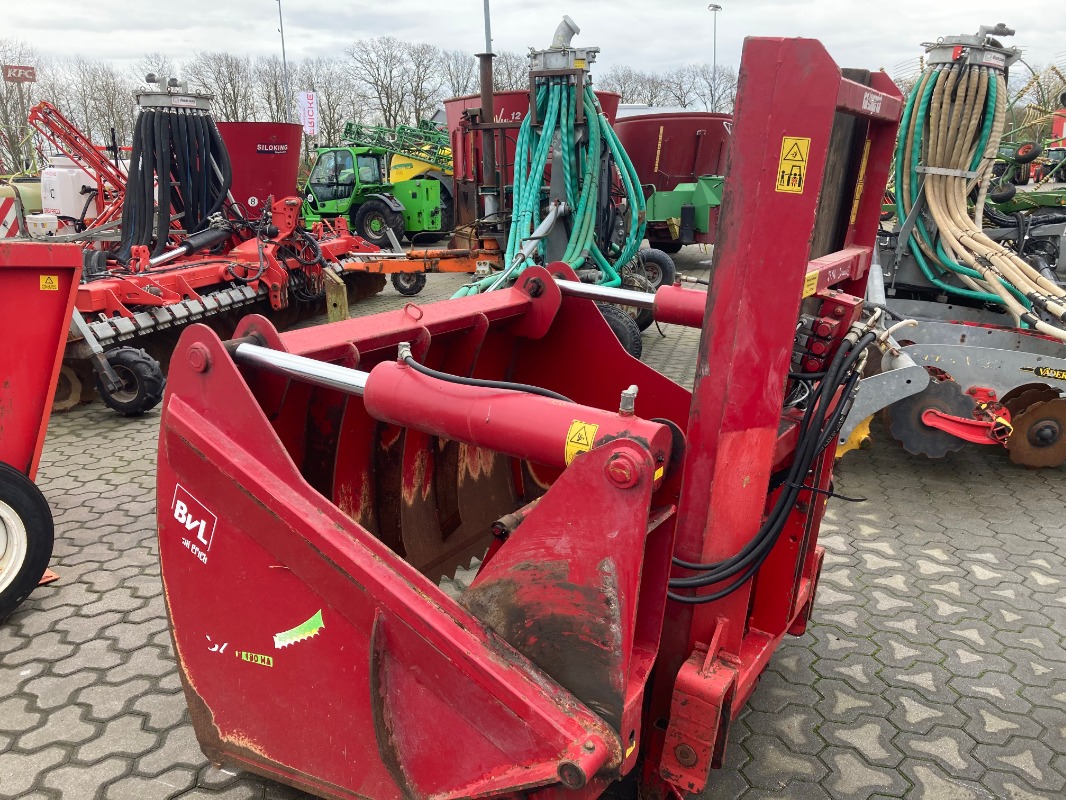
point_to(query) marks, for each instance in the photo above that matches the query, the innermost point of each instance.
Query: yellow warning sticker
(579, 439)
(810, 283)
(49, 283)
(792, 171)
(860, 184)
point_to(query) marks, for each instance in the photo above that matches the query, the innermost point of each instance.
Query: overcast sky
(647, 34)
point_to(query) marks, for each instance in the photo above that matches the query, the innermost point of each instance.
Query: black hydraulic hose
(182, 173)
(162, 169)
(513, 387)
(129, 207)
(812, 442)
(147, 189)
(201, 165)
(220, 157)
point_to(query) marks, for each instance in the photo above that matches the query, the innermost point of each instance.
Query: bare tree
(338, 96)
(380, 65)
(510, 71)
(424, 78)
(679, 86)
(635, 86)
(272, 96)
(716, 88)
(460, 73)
(155, 63)
(229, 78)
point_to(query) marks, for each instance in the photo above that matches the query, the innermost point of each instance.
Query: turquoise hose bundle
(581, 160)
(952, 125)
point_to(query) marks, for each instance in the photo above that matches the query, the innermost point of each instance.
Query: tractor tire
(624, 327)
(409, 283)
(26, 537)
(1002, 193)
(142, 382)
(68, 390)
(372, 218)
(667, 247)
(1027, 152)
(658, 267)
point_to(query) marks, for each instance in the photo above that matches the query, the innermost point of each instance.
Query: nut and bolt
(199, 358)
(685, 755)
(623, 470)
(535, 287)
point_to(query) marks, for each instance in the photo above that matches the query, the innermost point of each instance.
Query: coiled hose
(953, 122)
(178, 156)
(590, 228)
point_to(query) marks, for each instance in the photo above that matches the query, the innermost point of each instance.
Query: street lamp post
(714, 8)
(285, 66)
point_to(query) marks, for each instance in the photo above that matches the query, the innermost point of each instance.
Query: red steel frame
(563, 666)
(39, 281)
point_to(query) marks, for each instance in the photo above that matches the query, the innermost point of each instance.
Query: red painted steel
(39, 281)
(265, 158)
(672, 148)
(303, 532)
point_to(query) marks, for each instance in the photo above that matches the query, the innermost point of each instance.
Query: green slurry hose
(581, 157)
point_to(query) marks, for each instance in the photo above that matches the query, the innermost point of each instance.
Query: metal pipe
(565, 33)
(284, 67)
(489, 183)
(558, 210)
(606, 294)
(318, 373)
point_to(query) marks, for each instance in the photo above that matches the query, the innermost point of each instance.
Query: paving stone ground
(935, 667)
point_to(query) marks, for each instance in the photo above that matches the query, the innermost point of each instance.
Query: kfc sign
(15, 74)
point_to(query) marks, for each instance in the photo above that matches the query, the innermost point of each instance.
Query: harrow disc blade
(1039, 436)
(905, 419)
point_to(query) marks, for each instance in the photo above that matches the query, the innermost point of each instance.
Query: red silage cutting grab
(313, 488)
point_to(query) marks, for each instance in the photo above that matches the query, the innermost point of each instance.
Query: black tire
(1002, 193)
(26, 538)
(372, 218)
(142, 382)
(667, 247)
(409, 283)
(1027, 152)
(644, 318)
(625, 328)
(1020, 176)
(658, 267)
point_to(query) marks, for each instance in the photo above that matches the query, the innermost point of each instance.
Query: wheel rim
(653, 273)
(407, 280)
(375, 223)
(1025, 150)
(128, 392)
(13, 545)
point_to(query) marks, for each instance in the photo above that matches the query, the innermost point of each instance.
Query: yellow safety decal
(630, 749)
(792, 171)
(579, 63)
(49, 283)
(579, 439)
(658, 473)
(810, 283)
(861, 182)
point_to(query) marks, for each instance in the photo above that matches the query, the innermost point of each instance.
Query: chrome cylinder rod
(318, 373)
(606, 294)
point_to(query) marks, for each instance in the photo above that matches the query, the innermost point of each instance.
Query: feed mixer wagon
(643, 548)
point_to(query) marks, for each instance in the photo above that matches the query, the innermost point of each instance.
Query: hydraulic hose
(179, 163)
(582, 157)
(950, 131)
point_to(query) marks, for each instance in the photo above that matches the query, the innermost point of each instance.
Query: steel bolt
(685, 755)
(589, 746)
(199, 358)
(535, 287)
(838, 311)
(623, 470)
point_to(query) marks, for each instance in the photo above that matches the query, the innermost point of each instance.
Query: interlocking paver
(934, 667)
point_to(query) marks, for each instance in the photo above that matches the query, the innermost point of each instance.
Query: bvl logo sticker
(197, 521)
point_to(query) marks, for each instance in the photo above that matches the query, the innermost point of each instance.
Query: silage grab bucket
(314, 487)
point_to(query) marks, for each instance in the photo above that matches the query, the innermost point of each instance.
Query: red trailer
(266, 161)
(645, 548)
(672, 148)
(36, 304)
